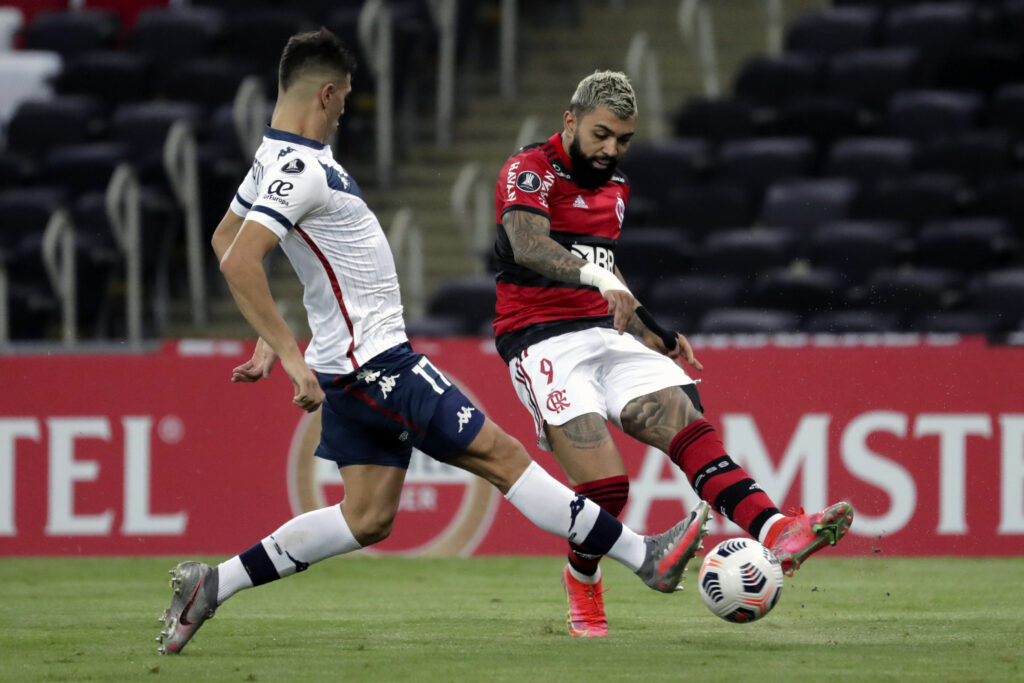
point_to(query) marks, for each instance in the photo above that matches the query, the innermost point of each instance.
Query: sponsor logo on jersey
(580, 203)
(599, 256)
(528, 181)
(293, 166)
(285, 152)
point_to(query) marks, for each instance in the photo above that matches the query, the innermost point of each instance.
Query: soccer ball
(740, 580)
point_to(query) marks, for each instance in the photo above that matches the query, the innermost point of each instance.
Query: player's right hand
(621, 306)
(308, 394)
(258, 367)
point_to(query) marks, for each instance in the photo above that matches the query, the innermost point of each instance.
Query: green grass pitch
(502, 619)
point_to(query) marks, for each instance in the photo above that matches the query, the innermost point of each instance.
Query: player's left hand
(621, 305)
(683, 353)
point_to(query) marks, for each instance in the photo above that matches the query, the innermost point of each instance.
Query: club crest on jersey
(528, 181)
(294, 166)
(620, 210)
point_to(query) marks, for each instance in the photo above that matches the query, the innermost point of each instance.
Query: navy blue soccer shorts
(397, 401)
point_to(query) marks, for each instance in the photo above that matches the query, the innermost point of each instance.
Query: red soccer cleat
(586, 607)
(798, 537)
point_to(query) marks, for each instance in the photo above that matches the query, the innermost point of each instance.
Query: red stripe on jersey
(337, 292)
(519, 306)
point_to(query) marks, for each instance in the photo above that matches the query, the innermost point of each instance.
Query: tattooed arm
(532, 246)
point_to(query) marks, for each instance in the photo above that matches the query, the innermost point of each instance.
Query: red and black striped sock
(698, 451)
(611, 494)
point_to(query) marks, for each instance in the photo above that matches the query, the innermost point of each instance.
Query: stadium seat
(81, 168)
(748, 321)
(926, 114)
(142, 128)
(1001, 197)
(1006, 112)
(804, 204)
(833, 30)
(869, 160)
(964, 244)
(258, 36)
(904, 290)
(114, 77)
(757, 163)
(25, 75)
(979, 68)
(747, 252)
(912, 200)
(798, 289)
(647, 254)
(822, 119)
(693, 295)
(852, 322)
(773, 80)
(12, 169)
(655, 168)
(11, 21)
(164, 35)
(127, 10)
(40, 125)
(856, 248)
(934, 28)
(701, 209)
(72, 33)
(975, 155)
(1000, 292)
(715, 119)
(209, 82)
(470, 299)
(872, 77)
(960, 322)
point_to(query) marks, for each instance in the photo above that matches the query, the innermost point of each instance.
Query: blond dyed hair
(609, 89)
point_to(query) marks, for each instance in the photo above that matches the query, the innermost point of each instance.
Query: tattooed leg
(584, 449)
(656, 418)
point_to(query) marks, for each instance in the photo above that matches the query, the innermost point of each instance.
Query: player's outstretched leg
(194, 601)
(668, 553)
(796, 538)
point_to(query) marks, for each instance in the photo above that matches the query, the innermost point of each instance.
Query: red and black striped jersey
(531, 307)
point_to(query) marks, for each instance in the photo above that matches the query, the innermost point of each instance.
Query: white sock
(560, 511)
(767, 526)
(589, 579)
(300, 542)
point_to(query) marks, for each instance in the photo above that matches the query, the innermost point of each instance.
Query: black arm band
(667, 338)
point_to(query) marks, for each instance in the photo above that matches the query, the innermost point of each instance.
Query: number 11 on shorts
(421, 370)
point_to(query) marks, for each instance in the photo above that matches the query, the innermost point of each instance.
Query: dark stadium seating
(258, 35)
(802, 290)
(81, 168)
(965, 244)
(1000, 292)
(747, 252)
(647, 254)
(960, 322)
(871, 77)
(164, 35)
(774, 80)
(40, 125)
(822, 119)
(748, 321)
(974, 155)
(757, 163)
(72, 33)
(470, 300)
(208, 81)
(868, 160)
(1001, 197)
(655, 169)
(926, 114)
(854, 321)
(912, 200)
(908, 289)
(114, 77)
(803, 204)
(833, 30)
(854, 248)
(700, 209)
(1007, 109)
(694, 295)
(715, 119)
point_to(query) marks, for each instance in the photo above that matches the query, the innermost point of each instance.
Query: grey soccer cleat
(194, 601)
(668, 553)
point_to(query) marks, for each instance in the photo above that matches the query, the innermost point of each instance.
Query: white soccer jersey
(336, 245)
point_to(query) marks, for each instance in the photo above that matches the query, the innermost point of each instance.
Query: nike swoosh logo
(183, 619)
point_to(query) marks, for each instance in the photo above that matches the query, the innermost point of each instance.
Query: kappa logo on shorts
(367, 375)
(387, 384)
(557, 401)
(465, 414)
(528, 181)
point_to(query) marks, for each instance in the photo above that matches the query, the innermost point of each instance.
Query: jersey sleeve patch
(528, 181)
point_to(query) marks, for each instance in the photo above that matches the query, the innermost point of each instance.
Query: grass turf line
(502, 619)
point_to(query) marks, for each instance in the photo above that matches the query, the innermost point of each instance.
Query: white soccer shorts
(596, 370)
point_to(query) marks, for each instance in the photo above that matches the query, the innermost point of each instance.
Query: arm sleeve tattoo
(529, 234)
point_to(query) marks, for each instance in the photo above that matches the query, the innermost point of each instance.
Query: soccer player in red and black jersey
(562, 310)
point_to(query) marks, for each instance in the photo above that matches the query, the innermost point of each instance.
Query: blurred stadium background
(800, 166)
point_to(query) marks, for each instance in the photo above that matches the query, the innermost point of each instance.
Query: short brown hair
(314, 49)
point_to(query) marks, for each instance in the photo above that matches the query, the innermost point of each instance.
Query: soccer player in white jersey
(379, 398)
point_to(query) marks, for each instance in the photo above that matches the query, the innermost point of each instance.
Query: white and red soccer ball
(740, 580)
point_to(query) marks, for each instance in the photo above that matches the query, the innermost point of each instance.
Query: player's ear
(569, 121)
(326, 92)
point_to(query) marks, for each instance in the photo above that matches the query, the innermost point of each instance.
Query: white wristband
(604, 280)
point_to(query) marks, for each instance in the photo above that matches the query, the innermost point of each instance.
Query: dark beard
(584, 172)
